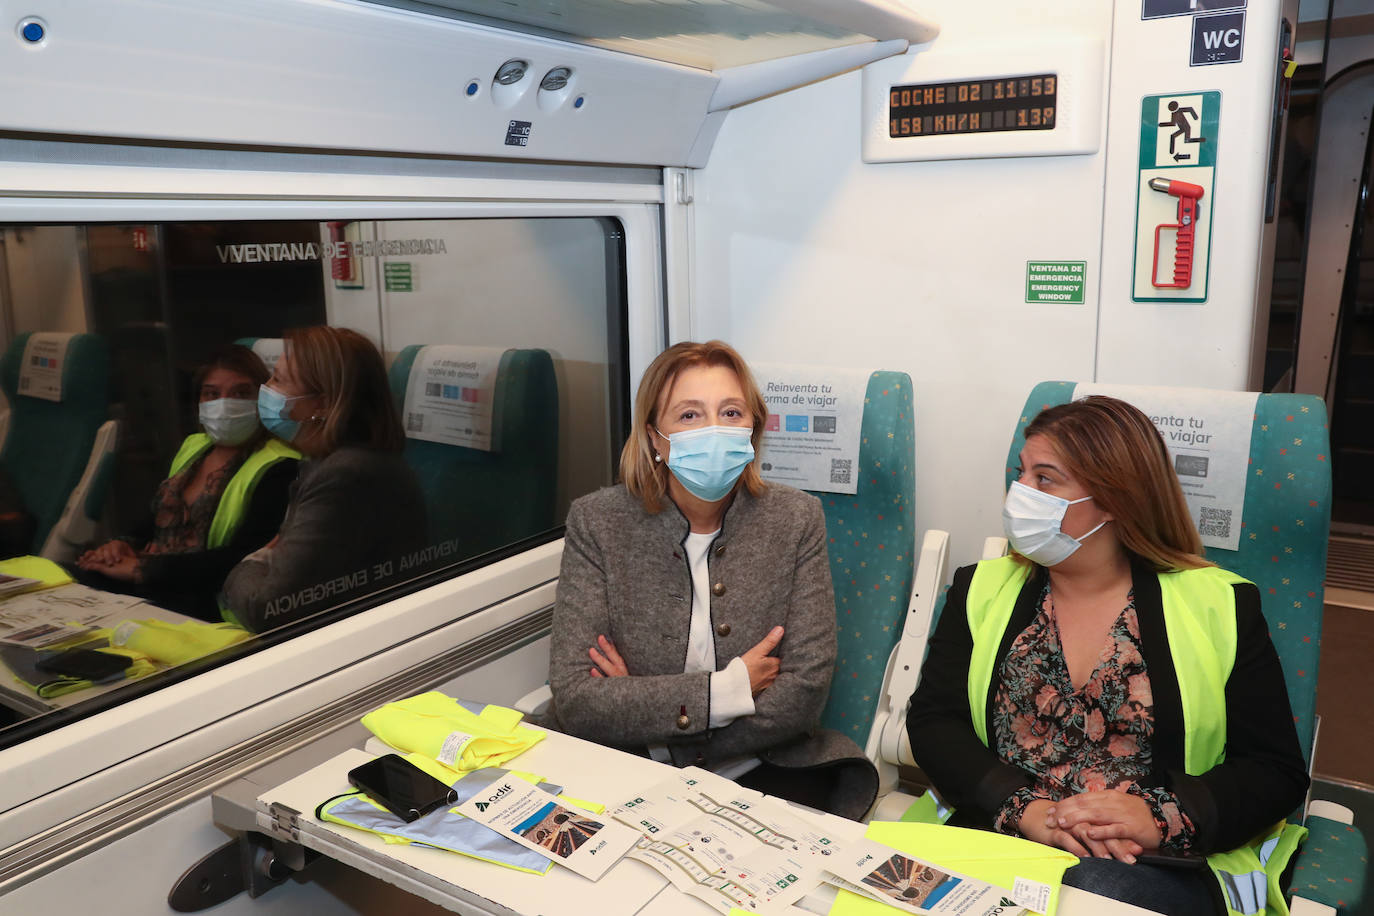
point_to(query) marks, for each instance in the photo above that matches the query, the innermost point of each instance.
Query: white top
(731, 697)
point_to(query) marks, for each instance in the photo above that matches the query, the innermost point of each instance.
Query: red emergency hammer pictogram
(1188, 196)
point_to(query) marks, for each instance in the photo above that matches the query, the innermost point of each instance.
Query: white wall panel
(806, 254)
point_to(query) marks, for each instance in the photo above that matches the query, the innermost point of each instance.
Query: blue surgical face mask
(1031, 520)
(229, 421)
(709, 460)
(274, 410)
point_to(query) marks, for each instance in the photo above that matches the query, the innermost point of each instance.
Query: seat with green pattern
(1285, 525)
(870, 537)
(490, 499)
(49, 442)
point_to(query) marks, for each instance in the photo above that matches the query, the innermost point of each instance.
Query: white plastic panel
(709, 34)
(337, 75)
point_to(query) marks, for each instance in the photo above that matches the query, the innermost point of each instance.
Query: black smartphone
(1166, 858)
(87, 664)
(401, 787)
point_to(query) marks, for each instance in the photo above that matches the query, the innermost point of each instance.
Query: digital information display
(973, 106)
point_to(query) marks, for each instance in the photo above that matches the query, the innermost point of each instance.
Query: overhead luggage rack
(704, 34)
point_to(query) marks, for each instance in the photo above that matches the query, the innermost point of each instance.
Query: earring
(657, 457)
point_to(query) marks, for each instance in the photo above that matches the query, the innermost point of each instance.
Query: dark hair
(1116, 453)
(235, 358)
(346, 370)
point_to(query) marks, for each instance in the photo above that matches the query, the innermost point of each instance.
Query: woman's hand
(1040, 823)
(107, 554)
(763, 668)
(608, 660)
(1109, 817)
(126, 569)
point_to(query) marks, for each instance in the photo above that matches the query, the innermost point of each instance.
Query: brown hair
(242, 360)
(1116, 453)
(345, 369)
(648, 479)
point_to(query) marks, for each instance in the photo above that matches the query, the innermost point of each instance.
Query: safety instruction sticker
(1208, 435)
(450, 397)
(1175, 196)
(1056, 281)
(45, 358)
(815, 425)
(537, 820)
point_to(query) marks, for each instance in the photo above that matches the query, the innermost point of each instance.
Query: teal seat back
(1286, 519)
(49, 442)
(871, 540)
(488, 499)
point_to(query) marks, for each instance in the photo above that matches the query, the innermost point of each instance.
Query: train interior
(521, 203)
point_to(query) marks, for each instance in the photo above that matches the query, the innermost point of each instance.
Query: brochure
(727, 846)
(896, 879)
(537, 820)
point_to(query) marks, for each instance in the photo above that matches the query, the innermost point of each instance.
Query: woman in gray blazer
(356, 510)
(695, 620)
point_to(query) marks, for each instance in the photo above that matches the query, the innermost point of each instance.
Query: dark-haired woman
(225, 496)
(356, 504)
(1105, 689)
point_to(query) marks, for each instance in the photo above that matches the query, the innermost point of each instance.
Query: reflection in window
(137, 465)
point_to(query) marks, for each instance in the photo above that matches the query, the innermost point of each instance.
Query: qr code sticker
(415, 422)
(840, 469)
(1214, 522)
(433, 390)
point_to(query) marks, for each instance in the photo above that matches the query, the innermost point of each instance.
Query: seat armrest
(535, 702)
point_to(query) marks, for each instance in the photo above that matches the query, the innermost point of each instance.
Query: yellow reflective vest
(238, 493)
(1200, 614)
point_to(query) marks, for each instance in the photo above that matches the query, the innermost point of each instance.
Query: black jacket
(1262, 779)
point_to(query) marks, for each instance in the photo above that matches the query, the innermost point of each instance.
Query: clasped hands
(763, 667)
(1102, 824)
(116, 559)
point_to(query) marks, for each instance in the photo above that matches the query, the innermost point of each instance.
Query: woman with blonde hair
(356, 503)
(1107, 690)
(695, 621)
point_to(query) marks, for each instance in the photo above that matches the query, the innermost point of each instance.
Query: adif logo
(1001, 907)
(504, 790)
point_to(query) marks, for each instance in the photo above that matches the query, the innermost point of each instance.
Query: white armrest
(1331, 811)
(534, 702)
(1301, 906)
(886, 736)
(994, 548)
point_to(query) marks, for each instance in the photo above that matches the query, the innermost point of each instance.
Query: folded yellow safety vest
(175, 643)
(461, 735)
(47, 573)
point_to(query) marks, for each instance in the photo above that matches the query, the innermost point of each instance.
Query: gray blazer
(350, 511)
(626, 575)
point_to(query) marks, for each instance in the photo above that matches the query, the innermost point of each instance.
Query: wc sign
(1218, 39)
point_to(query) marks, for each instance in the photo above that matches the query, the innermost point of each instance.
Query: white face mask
(1032, 519)
(229, 421)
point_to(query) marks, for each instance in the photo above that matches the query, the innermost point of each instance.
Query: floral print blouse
(1094, 738)
(180, 527)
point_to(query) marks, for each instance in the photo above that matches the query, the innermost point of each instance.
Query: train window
(223, 433)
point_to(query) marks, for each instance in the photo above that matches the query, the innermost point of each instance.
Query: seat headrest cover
(44, 365)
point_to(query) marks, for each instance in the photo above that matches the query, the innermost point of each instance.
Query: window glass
(436, 393)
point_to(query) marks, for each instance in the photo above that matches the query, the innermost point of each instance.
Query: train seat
(59, 442)
(490, 498)
(870, 538)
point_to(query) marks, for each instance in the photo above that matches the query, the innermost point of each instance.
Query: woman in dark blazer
(356, 504)
(695, 620)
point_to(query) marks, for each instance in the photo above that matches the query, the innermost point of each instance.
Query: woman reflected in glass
(356, 505)
(225, 496)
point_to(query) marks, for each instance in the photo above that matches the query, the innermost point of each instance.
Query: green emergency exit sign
(399, 277)
(1056, 281)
